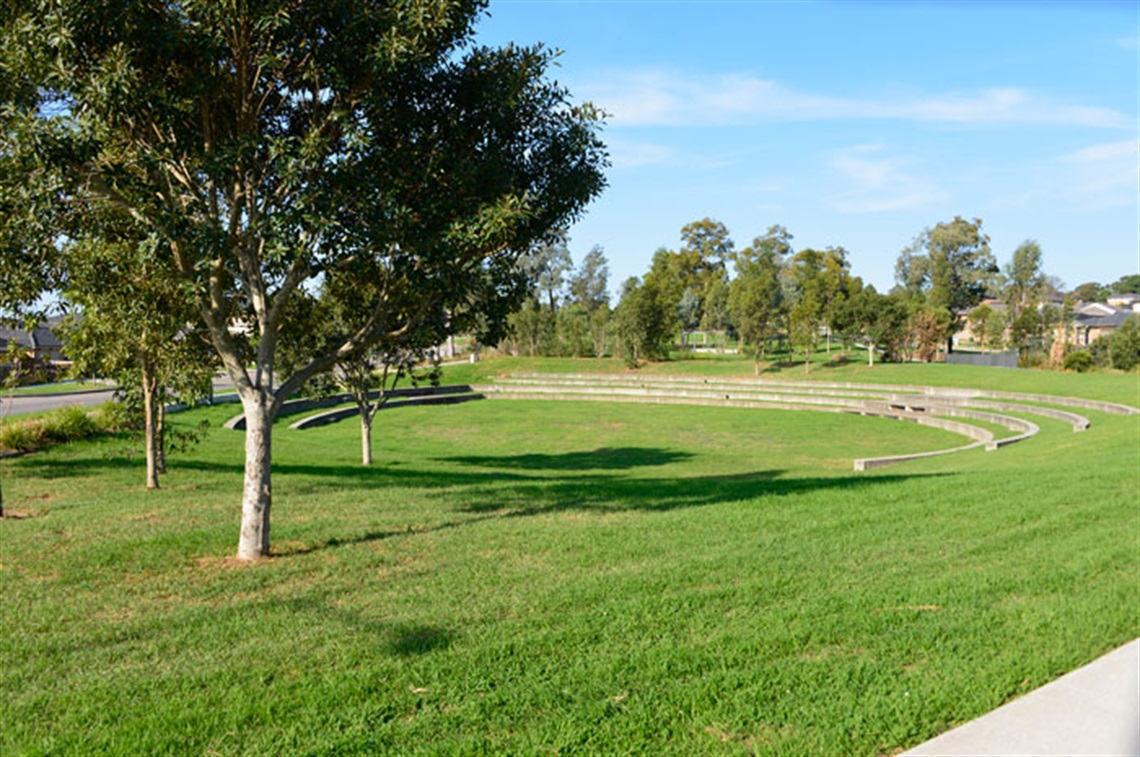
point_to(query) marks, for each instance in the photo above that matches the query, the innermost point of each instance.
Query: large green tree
(880, 319)
(29, 216)
(755, 297)
(588, 283)
(1025, 282)
(950, 268)
(805, 289)
(1127, 284)
(272, 145)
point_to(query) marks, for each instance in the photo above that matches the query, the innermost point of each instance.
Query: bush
(63, 425)
(113, 416)
(25, 436)
(1124, 345)
(1079, 361)
(68, 424)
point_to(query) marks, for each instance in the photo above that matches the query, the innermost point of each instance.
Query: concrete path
(1094, 710)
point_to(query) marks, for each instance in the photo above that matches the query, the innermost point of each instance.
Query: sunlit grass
(580, 578)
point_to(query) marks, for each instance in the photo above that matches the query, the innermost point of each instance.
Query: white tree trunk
(366, 437)
(160, 434)
(257, 491)
(150, 425)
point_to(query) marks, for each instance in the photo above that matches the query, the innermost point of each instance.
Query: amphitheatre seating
(947, 408)
(423, 395)
(950, 409)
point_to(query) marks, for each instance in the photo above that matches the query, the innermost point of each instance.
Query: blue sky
(856, 123)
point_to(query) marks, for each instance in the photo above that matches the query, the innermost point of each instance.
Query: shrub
(1124, 345)
(63, 425)
(24, 436)
(1080, 361)
(68, 424)
(113, 416)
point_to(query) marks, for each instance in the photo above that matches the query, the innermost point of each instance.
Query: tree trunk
(871, 355)
(150, 427)
(365, 437)
(160, 434)
(257, 491)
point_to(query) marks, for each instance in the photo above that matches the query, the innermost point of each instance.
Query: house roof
(1094, 309)
(1113, 319)
(41, 337)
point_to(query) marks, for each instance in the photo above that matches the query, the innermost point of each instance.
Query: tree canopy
(271, 146)
(951, 266)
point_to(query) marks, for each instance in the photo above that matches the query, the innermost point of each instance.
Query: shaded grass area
(529, 578)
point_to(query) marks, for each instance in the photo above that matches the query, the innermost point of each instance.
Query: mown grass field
(568, 578)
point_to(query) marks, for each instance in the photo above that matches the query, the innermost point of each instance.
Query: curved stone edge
(979, 436)
(1114, 408)
(798, 390)
(892, 407)
(340, 414)
(304, 404)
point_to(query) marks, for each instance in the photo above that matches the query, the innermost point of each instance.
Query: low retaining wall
(292, 407)
(985, 359)
(340, 414)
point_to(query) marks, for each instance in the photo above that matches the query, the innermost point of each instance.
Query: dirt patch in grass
(230, 562)
(20, 514)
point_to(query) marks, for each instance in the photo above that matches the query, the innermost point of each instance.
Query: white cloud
(657, 97)
(1104, 175)
(631, 154)
(1096, 178)
(876, 183)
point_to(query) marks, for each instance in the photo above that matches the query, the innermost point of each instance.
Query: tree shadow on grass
(501, 495)
(604, 458)
(611, 494)
(397, 639)
(511, 486)
(410, 640)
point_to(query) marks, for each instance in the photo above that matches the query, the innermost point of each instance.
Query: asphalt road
(36, 403)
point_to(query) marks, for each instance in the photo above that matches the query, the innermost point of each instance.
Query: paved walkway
(1094, 710)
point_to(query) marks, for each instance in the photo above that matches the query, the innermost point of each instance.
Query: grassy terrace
(569, 577)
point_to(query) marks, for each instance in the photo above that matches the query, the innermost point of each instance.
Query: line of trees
(566, 311)
(771, 298)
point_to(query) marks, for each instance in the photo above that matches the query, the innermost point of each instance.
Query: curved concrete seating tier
(341, 413)
(401, 397)
(1114, 408)
(946, 408)
(933, 406)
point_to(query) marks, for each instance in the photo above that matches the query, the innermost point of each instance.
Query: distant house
(1126, 301)
(965, 334)
(39, 344)
(1096, 319)
(1091, 320)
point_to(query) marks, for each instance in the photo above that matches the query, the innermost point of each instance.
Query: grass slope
(570, 578)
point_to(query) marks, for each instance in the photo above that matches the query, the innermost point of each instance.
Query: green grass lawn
(567, 578)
